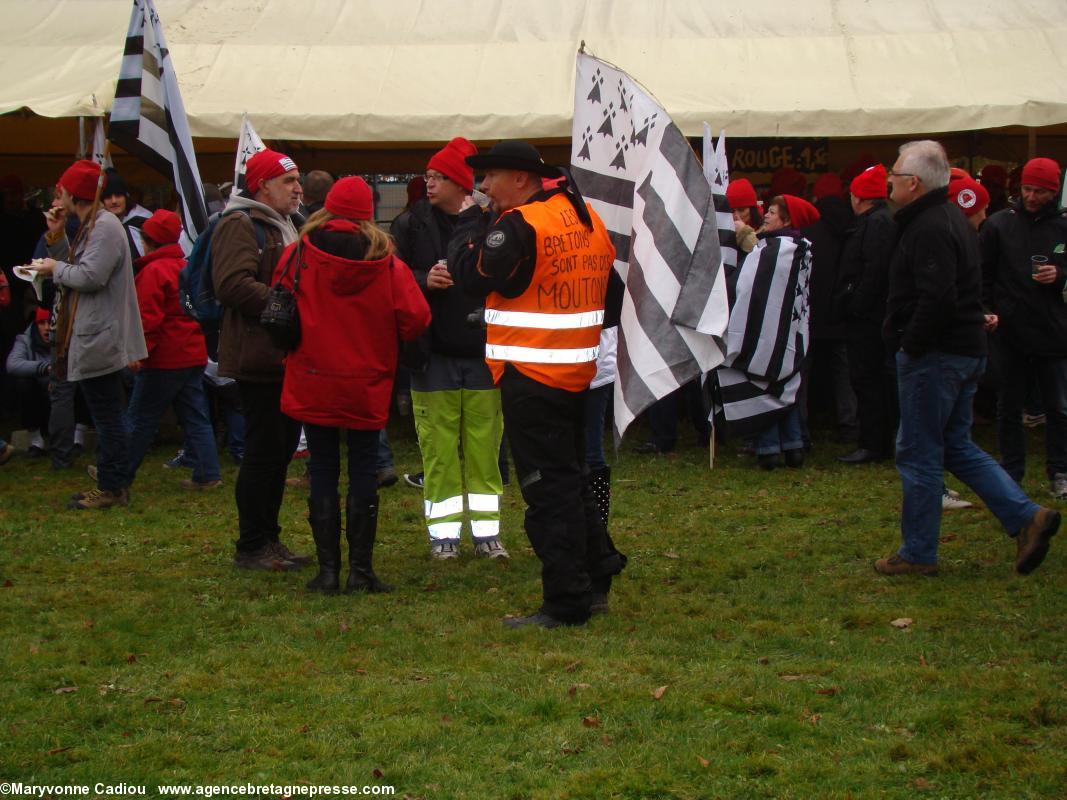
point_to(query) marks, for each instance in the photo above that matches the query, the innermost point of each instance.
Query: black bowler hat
(514, 154)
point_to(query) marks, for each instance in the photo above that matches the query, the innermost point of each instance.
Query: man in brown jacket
(241, 272)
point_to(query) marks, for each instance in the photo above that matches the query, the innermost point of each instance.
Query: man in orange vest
(542, 259)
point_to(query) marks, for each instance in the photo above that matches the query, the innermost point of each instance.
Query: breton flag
(248, 145)
(767, 338)
(148, 117)
(94, 150)
(639, 173)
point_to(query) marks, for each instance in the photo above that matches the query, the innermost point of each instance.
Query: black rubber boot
(362, 528)
(324, 514)
(600, 486)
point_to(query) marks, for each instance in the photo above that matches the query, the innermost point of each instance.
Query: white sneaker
(444, 549)
(1058, 486)
(951, 500)
(490, 548)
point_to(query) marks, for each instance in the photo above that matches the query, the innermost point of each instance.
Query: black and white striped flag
(148, 116)
(248, 144)
(640, 175)
(767, 338)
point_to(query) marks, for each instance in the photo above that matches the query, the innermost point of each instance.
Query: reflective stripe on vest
(551, 332)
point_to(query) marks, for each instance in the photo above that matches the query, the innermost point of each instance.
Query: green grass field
(749, 651)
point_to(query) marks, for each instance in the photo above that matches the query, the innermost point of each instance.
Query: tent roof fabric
(418, 71)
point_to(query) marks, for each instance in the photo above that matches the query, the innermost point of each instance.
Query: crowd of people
(906, 279)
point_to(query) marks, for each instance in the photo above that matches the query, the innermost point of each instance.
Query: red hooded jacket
(353, 315)
(173, 338)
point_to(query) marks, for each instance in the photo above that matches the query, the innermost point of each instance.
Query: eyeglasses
(892, 174)
(435, 176)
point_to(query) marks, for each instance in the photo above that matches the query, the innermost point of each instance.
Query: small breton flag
(148, 118)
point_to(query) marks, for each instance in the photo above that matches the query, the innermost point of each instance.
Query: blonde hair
(379, 243)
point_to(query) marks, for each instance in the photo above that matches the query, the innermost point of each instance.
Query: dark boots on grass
(324, 513)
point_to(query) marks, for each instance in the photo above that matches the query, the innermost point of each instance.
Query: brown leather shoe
(1033, 540)
(284, 552)
(96, 499)
(265, 559)
(895, 565)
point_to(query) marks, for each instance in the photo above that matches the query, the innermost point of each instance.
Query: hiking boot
(285, 553)
(1033, 540)
(265, 559)
(413, 479)
(951, 501)
(1058, 486)
(539, 620)
(895, 565)
(1033, 420)
(768, 461)
(444, 549)
(197, 486)
(387, 477)
(794, 458)
(96, 499)
(490, 548)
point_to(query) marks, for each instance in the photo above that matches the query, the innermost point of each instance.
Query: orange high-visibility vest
(551, 332)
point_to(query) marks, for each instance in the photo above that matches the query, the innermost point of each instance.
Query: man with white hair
(934, 324)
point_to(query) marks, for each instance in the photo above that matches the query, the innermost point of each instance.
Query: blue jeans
(785, 434)
(936, 391)
(153, 391)
(596, 408)
(384, 458)
(1016, 371)
(103, 395)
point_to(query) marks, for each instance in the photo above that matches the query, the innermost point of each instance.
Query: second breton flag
(637, 170)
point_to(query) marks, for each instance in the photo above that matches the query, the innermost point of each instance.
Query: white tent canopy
(425, 70)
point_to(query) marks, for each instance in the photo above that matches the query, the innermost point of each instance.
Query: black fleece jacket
(1033, 316)
(935, 281)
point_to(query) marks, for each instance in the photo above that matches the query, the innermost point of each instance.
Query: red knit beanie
(740, 194)
(994, 175)
(163, 227)
(968, 194)
(41, 315)
(81, 179)
(449, 161)
(871, 184)
(351, 198)
(264, 165)
(801, 212)
(828, 185)
(1043, 173)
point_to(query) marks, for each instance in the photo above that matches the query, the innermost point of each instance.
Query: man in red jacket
(173, 373)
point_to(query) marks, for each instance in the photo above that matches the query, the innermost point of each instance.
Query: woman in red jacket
(356, 302)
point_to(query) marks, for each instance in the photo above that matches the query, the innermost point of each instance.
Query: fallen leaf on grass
(88, 623)
(922, 660)
(345, 627)
(948, 537)
(446, 719)
(671, 554)
(303, 729)
(131, 658)
(658, 693)
(797, 677)
(572, 666)
(607, 741)
(570, 751)
(763, 660)
(902, 623)
(829, 691)
(591, 722)
(8, 584)
(55, 750)
(377, 773)
(66, 690)
(703, 762)
(153, 699)
(922, 784)
(575, 687)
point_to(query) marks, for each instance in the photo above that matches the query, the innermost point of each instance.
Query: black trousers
(33, 402)
(270, 439)
(874, 382)
(546, 432)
